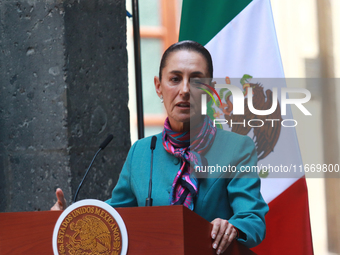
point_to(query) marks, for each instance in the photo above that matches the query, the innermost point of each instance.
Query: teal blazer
(235, 197)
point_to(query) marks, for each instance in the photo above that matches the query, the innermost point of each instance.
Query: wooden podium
(158, 230)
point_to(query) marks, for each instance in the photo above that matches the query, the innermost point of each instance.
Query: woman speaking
(189, 141)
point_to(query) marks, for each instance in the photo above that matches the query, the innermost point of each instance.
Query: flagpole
(138, 69)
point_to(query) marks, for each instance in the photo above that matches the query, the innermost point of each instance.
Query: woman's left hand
(223, 233)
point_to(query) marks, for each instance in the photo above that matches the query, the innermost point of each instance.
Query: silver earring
(162, 99)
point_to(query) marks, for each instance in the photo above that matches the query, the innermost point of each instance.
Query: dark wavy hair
(189, 46)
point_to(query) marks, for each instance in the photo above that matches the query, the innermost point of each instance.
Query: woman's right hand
(61, 203)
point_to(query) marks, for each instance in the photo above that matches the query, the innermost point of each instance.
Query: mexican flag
(241, 37)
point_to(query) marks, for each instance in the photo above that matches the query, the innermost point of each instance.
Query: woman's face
(181, 102)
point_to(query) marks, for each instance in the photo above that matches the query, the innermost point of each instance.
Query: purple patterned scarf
(185, 186)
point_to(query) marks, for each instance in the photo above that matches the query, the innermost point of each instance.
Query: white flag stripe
(254, 50)
(251, 44)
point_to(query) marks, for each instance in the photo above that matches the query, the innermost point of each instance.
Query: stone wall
(63, 88)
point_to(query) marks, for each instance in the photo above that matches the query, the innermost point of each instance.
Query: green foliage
(263, 173)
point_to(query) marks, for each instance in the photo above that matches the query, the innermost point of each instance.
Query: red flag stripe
(288, 224)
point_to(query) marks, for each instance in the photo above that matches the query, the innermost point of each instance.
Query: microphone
(101, 147)
(106, 141)
(148, 201)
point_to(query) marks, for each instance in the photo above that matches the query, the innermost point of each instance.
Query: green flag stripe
(201, 20)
